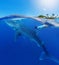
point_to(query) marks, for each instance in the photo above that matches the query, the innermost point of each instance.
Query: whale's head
(14, 23)
(12, 20)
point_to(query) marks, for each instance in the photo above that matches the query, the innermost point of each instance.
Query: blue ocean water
(24, 51)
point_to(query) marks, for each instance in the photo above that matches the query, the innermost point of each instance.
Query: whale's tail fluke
(45, 56)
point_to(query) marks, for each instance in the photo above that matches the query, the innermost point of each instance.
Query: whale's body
(22, 27)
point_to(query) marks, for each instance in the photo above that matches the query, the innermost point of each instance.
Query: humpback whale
(21, 28)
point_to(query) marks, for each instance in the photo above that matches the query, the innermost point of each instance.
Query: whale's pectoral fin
(41, 26)
(52, 58)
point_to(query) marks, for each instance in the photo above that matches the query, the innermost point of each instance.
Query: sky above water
(29, 7)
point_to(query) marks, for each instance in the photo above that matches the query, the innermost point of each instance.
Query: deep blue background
(24, 51)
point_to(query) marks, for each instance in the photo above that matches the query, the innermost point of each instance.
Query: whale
(17, 23)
